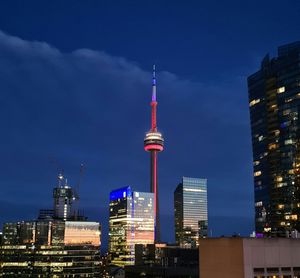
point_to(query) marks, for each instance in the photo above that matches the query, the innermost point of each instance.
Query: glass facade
(50, 249)
(274, 100)
(190, 208)
(131, 221)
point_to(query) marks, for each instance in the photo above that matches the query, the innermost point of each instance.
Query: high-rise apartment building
(190, 208)
(131, 221)
(274, 100)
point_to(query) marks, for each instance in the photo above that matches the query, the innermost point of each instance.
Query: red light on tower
(154, 143)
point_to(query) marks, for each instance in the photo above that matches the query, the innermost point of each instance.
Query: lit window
(260, 138)
(294, 217)
(288, 142)
(286, 112)
(274, 106)
(253, 102)
(276, 132)
(256, 162)
(278, 178)
(280, 206)
(257, 173)
(259, 204)
(272, 146)
(282, 223)
(281, 90)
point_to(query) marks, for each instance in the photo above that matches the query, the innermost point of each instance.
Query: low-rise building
(249, 257)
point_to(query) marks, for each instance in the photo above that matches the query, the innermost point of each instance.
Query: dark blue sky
(75, 84)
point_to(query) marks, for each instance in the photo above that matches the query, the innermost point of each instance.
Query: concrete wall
(221, 258)
(270, 253)
(237, 257)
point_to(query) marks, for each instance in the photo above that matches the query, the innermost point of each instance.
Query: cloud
(88, 106)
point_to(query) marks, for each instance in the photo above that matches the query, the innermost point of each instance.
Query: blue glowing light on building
(121, 193)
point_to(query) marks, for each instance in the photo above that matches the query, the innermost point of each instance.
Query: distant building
(53, 249)
(274, 100)
(64, 197)
(131, 221)
(249, 257)
(161, 260)
(46, 214)
(190, 208)
(53, 245)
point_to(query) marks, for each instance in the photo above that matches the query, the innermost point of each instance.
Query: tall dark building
(154, 143)
(190, 209)
(274, 100)
(64, 197)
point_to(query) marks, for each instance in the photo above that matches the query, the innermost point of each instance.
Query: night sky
(75, 87)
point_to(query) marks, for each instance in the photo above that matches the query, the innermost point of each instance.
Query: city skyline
(74, 91)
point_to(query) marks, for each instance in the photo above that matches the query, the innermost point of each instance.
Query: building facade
(161, 260)
(50, 249)
(190, 209)
(131, 221)
(274, 100)
(249, 258)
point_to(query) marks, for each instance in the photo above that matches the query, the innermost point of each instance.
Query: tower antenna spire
(154, 84)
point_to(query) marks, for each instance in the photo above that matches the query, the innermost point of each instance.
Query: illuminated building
(154, 143)
(51, 249)
(51, 246)
(131, 221)
(190, 209)
(274, 99)
(64, 197)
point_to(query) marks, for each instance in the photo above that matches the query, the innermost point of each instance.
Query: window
(288, 142)
(257, 173)
(281, 90)
(253, 102)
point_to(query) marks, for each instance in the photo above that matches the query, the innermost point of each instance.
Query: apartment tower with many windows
(274, 100)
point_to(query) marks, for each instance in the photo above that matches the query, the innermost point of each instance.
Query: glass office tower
(190, 208)
(274, 100)
(131, 221)
(50, 249)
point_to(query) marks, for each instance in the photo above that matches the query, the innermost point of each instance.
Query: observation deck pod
(153, 141)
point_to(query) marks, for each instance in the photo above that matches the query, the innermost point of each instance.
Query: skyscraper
(64, 198)
(190, 208)
(131, 221)
(154, 143)
(274, 100)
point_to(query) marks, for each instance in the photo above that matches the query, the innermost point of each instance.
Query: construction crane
(77, 187)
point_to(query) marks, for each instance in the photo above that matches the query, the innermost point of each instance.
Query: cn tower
(154, 143)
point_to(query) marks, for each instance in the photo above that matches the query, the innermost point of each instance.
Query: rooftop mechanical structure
(154, 143)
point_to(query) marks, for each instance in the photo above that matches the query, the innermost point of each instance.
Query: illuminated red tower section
(154, 143)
